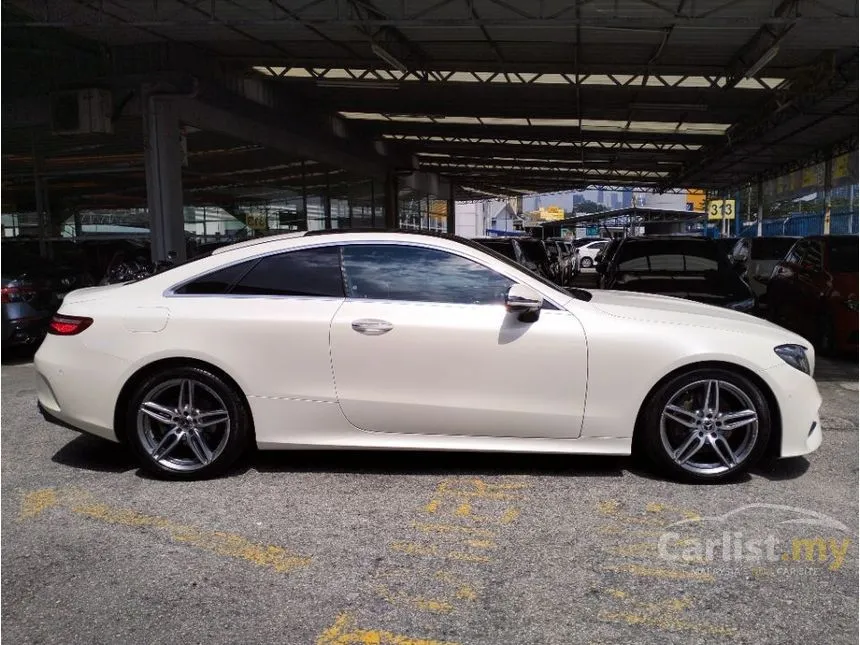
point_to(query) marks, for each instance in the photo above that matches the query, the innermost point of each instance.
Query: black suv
(527, 251)
(684, 267)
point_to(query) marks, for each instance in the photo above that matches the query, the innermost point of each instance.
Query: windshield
(677, 256)
(843, 255)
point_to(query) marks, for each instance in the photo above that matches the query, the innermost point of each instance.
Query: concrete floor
(421, 549)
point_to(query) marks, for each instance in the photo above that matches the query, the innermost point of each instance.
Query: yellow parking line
(344, 632)
(654, 572)
(218, 542)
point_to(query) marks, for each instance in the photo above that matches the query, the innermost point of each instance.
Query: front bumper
(799, 403)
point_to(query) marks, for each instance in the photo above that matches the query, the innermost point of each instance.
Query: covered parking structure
(384, 112)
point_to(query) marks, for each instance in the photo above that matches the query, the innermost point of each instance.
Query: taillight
(16, 293)
(68, 325)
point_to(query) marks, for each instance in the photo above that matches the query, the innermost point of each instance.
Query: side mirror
(524, 301)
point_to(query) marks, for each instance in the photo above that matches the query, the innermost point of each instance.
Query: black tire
(825, 336)
(586, 263)
(231, 439)
(755, 438)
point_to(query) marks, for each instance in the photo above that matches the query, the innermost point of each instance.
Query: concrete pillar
(828, 192)
(760, 212)
(163, 161)
(452, 207)
(392, 216)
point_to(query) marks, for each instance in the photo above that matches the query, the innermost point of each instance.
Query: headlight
(851, 304)
(743, 305)
(794, 355)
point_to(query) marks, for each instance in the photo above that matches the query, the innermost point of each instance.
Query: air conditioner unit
(82, 111)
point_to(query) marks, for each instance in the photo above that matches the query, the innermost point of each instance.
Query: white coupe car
(387, 340)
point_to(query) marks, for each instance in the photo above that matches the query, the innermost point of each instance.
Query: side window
(309, 272)
(398, 272)
(796, 253)
(813, 260)
(218, 281)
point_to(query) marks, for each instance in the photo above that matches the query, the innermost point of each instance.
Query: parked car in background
(588, 253)
(554, 254)
(603, 257)
(528, 251)
(813, 291)
(694, 268)
(582, 241)
(565, 260)
(727, 244)
(755, 258)
(32, 289)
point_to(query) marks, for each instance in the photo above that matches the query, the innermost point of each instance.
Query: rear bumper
(25, 331)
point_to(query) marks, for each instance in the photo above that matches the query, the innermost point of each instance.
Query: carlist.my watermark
(827, 544)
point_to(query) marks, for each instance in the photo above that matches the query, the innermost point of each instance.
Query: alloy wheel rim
(183, 424)
(709, 427)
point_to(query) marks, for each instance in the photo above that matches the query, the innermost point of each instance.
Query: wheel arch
(147, 370)
(775, 440)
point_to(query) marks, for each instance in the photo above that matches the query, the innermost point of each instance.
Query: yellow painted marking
(38, 501)
(344, 632)
(463, 510)
(413, 548)
(453, 528)
(467, 557)
(479, 489)
(617, 593)
(481, 544)
(510, 515)
(433, 506)
(623, 530)
(437, 606)
(609, 507)
(666, 623)
(218, 542)
(654, 572)
(654, 507)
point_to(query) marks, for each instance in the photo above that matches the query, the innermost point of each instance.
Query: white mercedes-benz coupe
(394, 340)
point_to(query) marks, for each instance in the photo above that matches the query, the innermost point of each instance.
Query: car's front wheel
(586, 263)
(706, 425)
(187, 423)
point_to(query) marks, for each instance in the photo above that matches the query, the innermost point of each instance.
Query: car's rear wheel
(187, 423)
(707, 425)
(587, 263)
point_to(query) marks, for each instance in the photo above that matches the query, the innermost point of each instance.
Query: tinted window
(396, 272)
(668, 255)
(311, 272)
(552, 250)
(843, 255)
(505, 247)
(533, 251)
(771, 248)
(218, 281)
(796, 252)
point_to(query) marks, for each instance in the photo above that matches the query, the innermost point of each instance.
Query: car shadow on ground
(836, 368)
(99, 455)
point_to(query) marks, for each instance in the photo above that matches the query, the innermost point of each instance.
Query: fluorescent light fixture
(354, 84)
(768, 56)
(388, 57)
(686, 107)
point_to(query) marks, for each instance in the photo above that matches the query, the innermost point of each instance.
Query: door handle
(372, 326)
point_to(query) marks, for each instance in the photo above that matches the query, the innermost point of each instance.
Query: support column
(452, 208)
(327, 203)
(392, 216)
(760, 212)
(372, 203)
(163, 160)
(828, 192)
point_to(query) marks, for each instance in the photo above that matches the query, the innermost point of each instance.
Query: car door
(424, 344)
(810, 286)
(782, 288)
(267, 319)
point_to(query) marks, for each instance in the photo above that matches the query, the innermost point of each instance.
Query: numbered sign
(257, 221)
(720, 209)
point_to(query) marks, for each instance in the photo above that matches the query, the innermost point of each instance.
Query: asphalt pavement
(341, 548)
